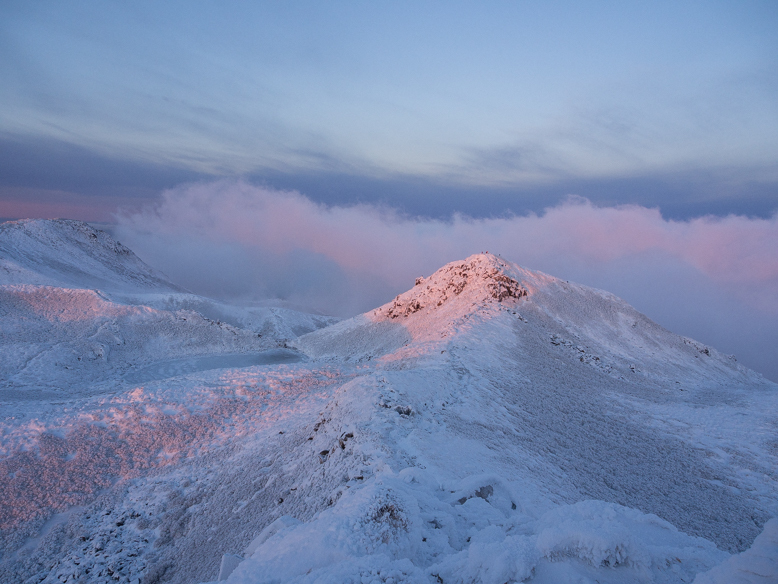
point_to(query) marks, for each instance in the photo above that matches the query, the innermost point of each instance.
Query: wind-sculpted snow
(490, 425)
(91, 447)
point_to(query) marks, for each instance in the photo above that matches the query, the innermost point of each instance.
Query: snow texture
(67, 254)
(492, 424)
(756, 565)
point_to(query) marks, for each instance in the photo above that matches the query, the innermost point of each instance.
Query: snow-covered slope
(71, 254)
(65, 340)
(565, 393)
(81, 313)
(492, 424)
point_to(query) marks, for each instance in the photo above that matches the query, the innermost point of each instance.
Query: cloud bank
(715, 279)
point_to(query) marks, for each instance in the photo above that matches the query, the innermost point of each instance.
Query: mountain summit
(540, 313)
(480, 278)
(492, 424)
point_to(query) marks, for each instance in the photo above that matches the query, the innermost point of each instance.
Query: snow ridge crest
(481, 278)
(72, 254)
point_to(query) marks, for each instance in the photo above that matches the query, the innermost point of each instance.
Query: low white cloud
(712, 278)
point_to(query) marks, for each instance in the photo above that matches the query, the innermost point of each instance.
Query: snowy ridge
(58, 338)
(492, 424)
(72, 254)
(274, 322)
(79, 311)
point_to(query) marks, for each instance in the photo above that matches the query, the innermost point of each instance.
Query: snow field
(411, 526)
(490, 425)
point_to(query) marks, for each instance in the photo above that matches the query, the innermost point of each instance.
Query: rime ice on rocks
(492, 424)
(484, 278)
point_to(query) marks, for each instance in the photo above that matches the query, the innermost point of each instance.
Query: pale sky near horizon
(430, 107)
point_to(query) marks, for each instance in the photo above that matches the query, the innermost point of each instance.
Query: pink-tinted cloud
(736, 252)
(231, 238)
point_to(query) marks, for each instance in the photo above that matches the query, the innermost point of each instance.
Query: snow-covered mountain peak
(485, 299)
(480, 279)
(491, 424)
(445, 305)
(63, 252)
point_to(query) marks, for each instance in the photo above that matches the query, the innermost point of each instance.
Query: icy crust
(72, 254)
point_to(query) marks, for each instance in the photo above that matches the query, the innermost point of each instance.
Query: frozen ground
(490, 425)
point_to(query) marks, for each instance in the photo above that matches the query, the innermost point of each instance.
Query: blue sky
(431, 107)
